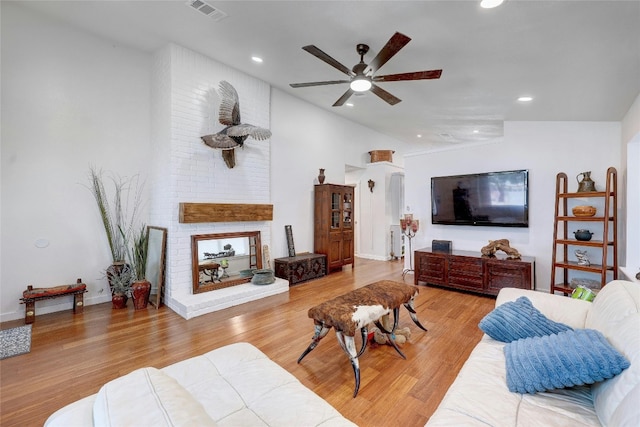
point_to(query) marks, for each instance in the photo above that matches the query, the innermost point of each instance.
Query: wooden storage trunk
(300, 268)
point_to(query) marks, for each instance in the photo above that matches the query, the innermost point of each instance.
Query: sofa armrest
(571, 312)
(78, 413)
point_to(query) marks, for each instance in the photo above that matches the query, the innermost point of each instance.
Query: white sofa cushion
(235, 385)
(239, 385)
(147, 397)
(571, 312)
(627, 413)
(616, 313)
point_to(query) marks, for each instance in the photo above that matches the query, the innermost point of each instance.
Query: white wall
(375, 208)
(631, 186)
(544, 148)
(69, 100)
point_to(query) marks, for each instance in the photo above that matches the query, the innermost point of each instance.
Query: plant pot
(140, 289)
(119, 301)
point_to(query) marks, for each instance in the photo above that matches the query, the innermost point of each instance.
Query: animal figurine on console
(500, 245)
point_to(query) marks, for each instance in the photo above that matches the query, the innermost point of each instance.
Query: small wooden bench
(31, 295)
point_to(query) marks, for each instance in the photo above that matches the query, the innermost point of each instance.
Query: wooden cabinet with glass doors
(333, 229)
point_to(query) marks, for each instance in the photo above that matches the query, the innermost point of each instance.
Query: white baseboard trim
(60, 304)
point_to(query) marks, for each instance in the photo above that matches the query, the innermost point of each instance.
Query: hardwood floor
(73, 355)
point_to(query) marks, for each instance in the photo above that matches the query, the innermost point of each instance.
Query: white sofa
(479, 395)
(235, 385)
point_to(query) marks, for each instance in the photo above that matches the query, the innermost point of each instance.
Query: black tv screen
(490, 199)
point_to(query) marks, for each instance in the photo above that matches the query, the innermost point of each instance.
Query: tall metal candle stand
(409, 228)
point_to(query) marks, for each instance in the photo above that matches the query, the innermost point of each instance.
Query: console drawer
(431, 269)
(465, 273)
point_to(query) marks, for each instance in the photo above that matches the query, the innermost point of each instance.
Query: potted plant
(141, 287)
(120, 277)
(118, 218)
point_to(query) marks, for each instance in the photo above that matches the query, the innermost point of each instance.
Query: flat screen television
(485, 199)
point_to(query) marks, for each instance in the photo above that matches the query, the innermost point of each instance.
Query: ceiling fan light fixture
(490, 4)
(360, 84)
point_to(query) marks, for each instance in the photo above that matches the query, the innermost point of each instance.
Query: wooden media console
(471, 271)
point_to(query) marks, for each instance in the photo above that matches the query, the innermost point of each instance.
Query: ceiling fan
(362, 76)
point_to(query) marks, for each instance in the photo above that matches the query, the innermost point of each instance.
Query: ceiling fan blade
(386, 96)
(343, 98)
(328, 82)
(393, 46)
(418, 75)
(329, 60)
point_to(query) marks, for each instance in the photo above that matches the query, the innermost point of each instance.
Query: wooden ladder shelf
(605, 244)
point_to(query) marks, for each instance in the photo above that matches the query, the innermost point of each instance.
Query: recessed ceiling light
(490, 4)
(525, 99)
(348, 104)
(419, 136)
(256, 59)
(476, 131)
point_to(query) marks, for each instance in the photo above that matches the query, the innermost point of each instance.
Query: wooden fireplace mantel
(224, 212)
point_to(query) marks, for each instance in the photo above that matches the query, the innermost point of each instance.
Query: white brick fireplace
(185, 107)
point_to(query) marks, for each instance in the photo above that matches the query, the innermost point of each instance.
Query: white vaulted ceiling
(580, 60)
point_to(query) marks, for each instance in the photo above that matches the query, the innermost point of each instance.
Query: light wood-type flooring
(73, 355)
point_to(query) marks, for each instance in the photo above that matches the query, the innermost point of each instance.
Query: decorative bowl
(247, 273)
(263, 277)
(584, 210)
(584, 235)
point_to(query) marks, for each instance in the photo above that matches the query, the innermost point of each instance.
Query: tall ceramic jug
(587, 184)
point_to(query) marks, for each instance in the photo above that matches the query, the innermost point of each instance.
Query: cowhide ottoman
(355, 310)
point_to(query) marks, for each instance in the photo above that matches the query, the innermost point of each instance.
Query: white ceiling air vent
(207, 9)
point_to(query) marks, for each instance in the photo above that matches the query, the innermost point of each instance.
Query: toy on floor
(400, 336)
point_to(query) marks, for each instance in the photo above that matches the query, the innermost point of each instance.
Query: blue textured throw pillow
(518, 319)
(567, 359)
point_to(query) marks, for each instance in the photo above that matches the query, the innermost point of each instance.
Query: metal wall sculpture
(235, 132)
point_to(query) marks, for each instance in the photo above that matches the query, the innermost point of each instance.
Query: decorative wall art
(235, 132)
(290, 246)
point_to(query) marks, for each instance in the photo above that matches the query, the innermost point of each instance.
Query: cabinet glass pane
(335, 201)
(335, 219)
(347, 209)
(347, 219)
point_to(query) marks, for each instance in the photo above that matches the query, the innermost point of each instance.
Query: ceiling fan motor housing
(359, 68)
